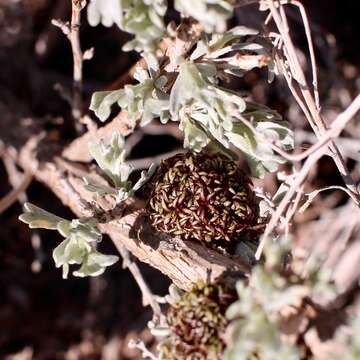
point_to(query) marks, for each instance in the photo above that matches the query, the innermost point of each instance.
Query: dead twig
(301, 176)
(148, 296)
(72, 33)
(305, 20)
(311, 196)
(307, 101)
(292, 210)
(13, 195)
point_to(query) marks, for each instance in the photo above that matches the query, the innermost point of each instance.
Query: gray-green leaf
(212, 14)
(37, 218)
(142, 18)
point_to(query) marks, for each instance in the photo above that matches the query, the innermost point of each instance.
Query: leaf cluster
(256, 317)
(142, 18)
(111, 159)
(78, 247)
(208, 113)
(82, 235)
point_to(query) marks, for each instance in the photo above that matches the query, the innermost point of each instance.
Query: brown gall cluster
(197, 322)
(202, 197)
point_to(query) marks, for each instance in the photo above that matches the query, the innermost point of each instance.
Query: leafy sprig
(81, 236)
(111, 159)
(145, 99)
(208, 114)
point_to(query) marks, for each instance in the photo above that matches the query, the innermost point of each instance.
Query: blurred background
(45, 317)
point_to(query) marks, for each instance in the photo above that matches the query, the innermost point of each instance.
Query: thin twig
(77, 6)
(72, 33)
(310, 46)
(342, 118)
(292, 210)
(13, 195)
(349, 146)
(310, 161)
(308, 99)
(148, 297)
(311, 196)
(336, 128)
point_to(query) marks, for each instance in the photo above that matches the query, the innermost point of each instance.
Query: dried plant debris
(203, 197)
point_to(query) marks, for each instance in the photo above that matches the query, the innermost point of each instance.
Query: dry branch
(289, 65)
(184, 262)
(339, 124)
(78, 149)
(13, 195)
(303, 94)
(71, 31)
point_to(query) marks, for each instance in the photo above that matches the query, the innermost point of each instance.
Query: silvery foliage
(82, 235)
(79, 246)
(208, 113)
(255, 316)
(268, 122)
(111, 159)
(145, 98)
(142, 18)
(252, 52)
(212, 14)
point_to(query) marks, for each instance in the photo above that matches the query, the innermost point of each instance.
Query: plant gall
(203, 197)
(197, 323)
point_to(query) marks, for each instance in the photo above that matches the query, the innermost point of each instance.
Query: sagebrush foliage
(82, 235)
(79, 246)
(191, 92)
(198, 195)
(274, 286)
